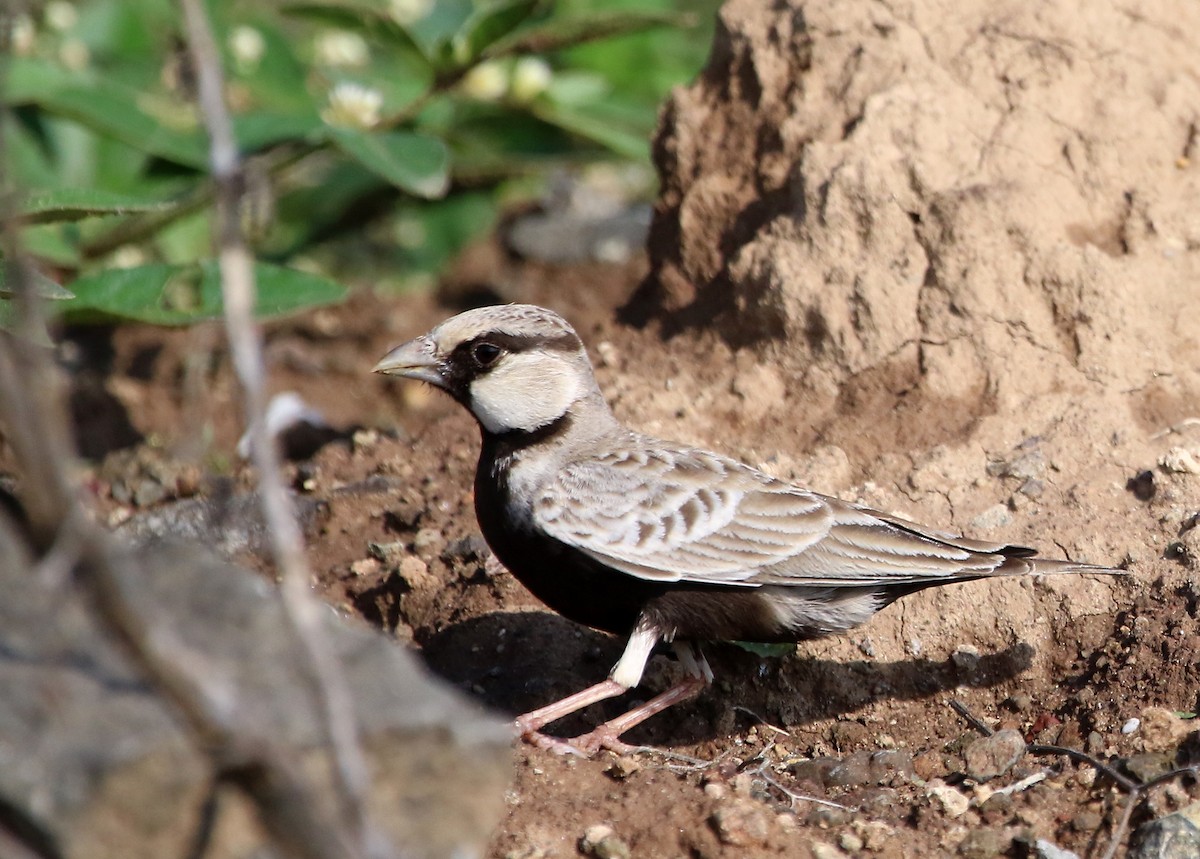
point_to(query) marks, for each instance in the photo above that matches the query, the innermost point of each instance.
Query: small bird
(659, 541)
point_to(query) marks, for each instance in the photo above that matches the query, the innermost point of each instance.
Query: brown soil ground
(1073, 669)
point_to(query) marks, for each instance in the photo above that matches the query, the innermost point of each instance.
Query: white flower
(341, 48)
(74, 54)
(486, 82)
(530, 77)
(407, 12)
(353, 106)
(61, 15)
(22, 35)
(247, 46)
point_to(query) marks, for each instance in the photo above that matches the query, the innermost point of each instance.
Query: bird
(658, 541)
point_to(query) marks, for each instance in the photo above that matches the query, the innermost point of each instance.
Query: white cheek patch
(525, 391)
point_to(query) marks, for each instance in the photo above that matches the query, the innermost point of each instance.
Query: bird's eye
(485, 354)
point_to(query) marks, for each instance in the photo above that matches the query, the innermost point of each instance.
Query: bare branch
(238, 291)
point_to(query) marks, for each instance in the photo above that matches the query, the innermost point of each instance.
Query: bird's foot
(553, 744)
(591, 743)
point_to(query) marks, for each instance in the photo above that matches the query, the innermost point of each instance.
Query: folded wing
(676, 514)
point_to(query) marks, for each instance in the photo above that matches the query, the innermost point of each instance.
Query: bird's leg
(607, 736)
(625, 674)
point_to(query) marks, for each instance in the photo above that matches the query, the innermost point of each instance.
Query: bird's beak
(416, 359)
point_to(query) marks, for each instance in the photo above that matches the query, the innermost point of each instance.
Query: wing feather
(676, 514)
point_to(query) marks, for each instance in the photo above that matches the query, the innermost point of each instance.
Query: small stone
(1150, 765)
(989, 757)
(851, 772)
(1142, 485)
(1019, 702)
(850, 842)
(1044, 849)
(389, 553)
(892, 765)
(1179, 460)
(929, 764)
(603, 843)
(428, 540)
(953, 801)
(1162, 730)
(365, 567)
(1087, 821)
(1174, 836)
(716, 790)
(741, 823)
(413, 571)
(470, 548)
(1131, 725)
(995, 517)
(823, 850)
(984, 844)
(966, 658)
(623, 767)
(815, 770)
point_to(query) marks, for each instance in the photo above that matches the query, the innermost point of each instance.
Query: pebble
(623, 767)
(1162, 730)
(989, 757)
(995, 517)
(1150, 765)
(953, 801)
(741, 823)
(815, 770)
(850, 842)
(1175, 836)
(603, 843)
(823, 850)
(852, 771)
(965, 658)
(1130, 726)
(1049, 850)
(1180, 460)
(984, 844)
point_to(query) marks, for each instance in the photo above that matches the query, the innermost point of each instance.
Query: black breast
(565, 579)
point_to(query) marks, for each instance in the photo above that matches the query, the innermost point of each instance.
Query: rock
(603, 843)
(1044, 849)
(847, 180)
(852, 771)
(1175, 836)
(953, 801)
(1162, 730)
(96, 762)
(1150, 765)
(741, 823)
(984, 844)
(230, 525)
(891, 765)
(815, 770)
(1180, 460)
(989, 757)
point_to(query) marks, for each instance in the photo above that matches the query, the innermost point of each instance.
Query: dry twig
(1134, 789)
(238, 292)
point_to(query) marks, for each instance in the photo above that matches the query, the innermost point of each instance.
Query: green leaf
(416, 163)
(112, 109)
(626, 142)
(73, 204)
(759, 649)
(487, 25)
(558, 32)
(42, 285)
(164, 294)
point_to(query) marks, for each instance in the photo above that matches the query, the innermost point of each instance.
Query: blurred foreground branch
(238, 292)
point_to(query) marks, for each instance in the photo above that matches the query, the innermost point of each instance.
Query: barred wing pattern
(674, 514)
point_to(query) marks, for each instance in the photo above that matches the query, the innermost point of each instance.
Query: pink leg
(607, 736)
(529, 724)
